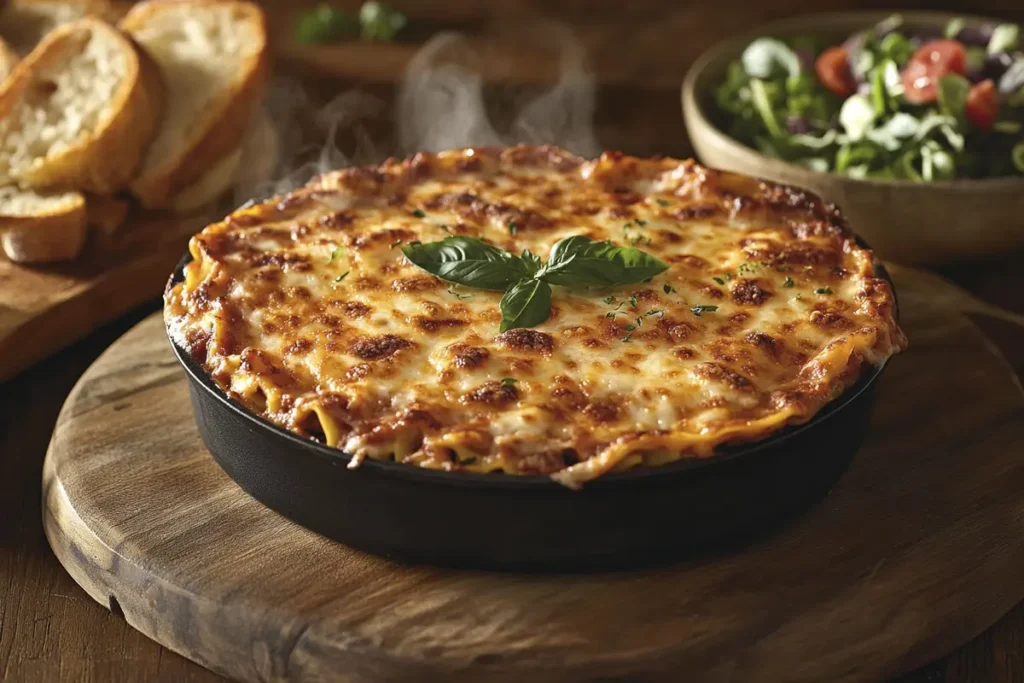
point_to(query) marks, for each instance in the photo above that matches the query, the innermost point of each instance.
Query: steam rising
(440, 104)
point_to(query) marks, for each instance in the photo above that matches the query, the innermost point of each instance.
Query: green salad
(890, 102)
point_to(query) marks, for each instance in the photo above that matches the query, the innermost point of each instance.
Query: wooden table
(50, 630)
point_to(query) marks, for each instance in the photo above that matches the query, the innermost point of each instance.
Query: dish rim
(791, 25)
(535, 482)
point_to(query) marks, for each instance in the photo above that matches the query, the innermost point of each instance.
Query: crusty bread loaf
(41, 227)
(214, 59)
(23, 23)
(79, 111)
(8, 59)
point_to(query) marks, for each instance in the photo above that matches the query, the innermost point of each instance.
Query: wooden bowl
(925, 223)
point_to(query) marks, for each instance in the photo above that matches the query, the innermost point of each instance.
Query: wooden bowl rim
(851, 20)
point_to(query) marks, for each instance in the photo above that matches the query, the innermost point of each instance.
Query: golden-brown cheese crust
(304, 309)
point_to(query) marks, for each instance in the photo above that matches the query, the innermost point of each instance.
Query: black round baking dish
(529, 522)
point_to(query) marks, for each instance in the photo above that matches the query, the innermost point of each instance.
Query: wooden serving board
(918, 549)
(45, 308)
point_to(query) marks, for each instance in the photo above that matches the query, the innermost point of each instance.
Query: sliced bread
(41, 227)
(214, 59)
(243, 172)
(79, 111)
(23, 23)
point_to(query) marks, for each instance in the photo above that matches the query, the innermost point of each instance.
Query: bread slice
(23, 23)
(8, 59)
(79, 111)
(41, 227)
(214, 58)
(244, 171)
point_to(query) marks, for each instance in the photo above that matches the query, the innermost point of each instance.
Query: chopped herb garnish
(747, 268)
(512, 228)
(661, 202)
(341, 277)
(788, 282)
(508, 381)
(334, 254)
(419, 213)
(395, 244)
(649, 240)
(655, 311)
(798, 297)
(630, 327)
(635, 240)
(627, 337)
(823, 290)
(641, 222)
(609, 299)
(728, 276)
(639, 322)
(699, 309)
(633, 302)
(610, 314)
(444, 226)
(627, 226)
(718, 280)
(459, 295)
(668, 289)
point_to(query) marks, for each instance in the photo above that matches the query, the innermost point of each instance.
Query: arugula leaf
(953, 89)
(953, 27)
(527, 304)
(1005, 38)
(578, 261)
(468, 261)
(767, 57)
(763, 106)
(897, 47)
(893, 133)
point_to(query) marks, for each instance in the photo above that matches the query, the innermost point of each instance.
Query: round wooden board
(917, 550)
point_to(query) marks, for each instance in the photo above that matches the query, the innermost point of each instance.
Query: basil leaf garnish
(532, 261)
(527, 304)
(468, 261)
(579, 262)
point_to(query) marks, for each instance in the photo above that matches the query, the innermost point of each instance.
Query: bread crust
(49, 237)
(222, 132)
(104, 161)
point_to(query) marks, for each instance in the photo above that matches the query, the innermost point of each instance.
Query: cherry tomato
(982, 105)
(833, 69)
(930, 62)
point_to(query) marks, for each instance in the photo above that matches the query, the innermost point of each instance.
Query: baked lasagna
(307, 310)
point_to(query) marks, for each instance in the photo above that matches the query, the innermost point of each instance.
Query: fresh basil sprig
(574, 262)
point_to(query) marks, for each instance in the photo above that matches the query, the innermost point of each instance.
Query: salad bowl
(908, 221)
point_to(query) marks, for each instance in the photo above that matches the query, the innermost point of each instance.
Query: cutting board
(44, 309)
(918, 549)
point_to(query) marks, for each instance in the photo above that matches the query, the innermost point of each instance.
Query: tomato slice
(982, 106)
(930, 62)
(833, 69)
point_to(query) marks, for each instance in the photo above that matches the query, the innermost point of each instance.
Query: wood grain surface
(43, 309)
(918, 549)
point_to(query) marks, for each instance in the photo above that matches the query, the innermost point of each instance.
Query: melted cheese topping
(305, 310)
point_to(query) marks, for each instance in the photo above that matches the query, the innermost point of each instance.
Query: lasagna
(305, 310)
